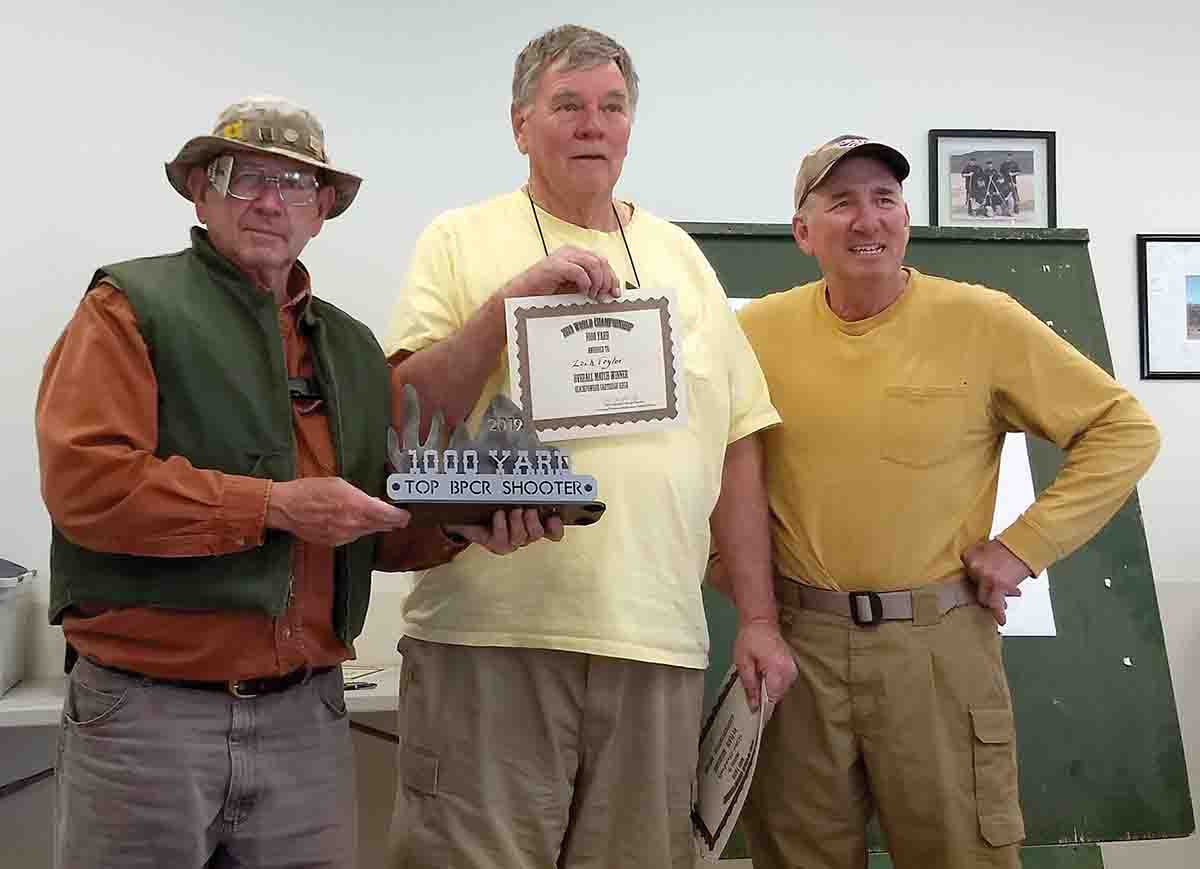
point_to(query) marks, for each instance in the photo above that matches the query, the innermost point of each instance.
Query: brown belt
(241, 688)
(872, 607)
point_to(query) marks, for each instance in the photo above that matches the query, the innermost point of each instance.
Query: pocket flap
(992, 726)
(419, 769)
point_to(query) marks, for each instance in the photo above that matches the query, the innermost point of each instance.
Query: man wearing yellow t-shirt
(896, 390)
(550, 704)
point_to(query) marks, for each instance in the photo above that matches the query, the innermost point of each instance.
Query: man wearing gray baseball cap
(212, 439)
(896, 390)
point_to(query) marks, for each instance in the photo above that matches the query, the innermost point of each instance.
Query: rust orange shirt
(106, 490)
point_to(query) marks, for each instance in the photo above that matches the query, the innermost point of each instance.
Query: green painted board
(1099, 743)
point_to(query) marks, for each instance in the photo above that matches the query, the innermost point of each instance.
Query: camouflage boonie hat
(266, 125)
(819, 162)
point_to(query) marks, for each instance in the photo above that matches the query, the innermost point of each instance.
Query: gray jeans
(152, 775)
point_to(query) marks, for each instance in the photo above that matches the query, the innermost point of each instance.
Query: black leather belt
(241, 688)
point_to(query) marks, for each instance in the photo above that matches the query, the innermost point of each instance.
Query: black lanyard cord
(625, 241)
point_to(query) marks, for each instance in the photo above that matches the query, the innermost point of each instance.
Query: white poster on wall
(1031, 614)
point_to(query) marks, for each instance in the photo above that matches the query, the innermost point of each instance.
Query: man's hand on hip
(997, 573)
(329, 511)
(567, 270)
(760, 652)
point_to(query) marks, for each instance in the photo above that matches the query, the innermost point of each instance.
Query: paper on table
(354, 672)
(729, 743)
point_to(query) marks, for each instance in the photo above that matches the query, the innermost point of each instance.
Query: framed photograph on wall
(1169, 306)
(1002, 178)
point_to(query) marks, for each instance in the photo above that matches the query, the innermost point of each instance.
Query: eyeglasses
(295, 187)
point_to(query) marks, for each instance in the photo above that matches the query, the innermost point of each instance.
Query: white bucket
(14, 619)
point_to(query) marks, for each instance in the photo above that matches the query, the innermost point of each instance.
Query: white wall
(416, 101)
(98, 96)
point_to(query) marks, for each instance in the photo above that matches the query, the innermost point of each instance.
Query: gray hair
(578, 48)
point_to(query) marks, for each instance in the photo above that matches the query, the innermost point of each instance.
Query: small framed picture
(1169, 306)
(1001, 178)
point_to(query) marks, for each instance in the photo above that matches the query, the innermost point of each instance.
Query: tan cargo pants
(912, 718)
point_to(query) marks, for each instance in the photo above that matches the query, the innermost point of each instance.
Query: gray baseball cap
(819, 162)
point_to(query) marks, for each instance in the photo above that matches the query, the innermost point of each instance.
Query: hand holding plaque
(469, 479)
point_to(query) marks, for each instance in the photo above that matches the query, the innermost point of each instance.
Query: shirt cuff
(244, 512)
(1029, 544)
(750, 425)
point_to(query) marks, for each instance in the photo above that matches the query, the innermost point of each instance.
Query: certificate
(729, 743)
(581, 368)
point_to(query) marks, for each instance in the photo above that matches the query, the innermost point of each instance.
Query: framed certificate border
(1169, 306)
(572, 308)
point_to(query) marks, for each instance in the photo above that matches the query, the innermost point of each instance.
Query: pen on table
(351, 686)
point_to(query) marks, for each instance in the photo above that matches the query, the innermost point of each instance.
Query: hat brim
(885, 154)
(200, 150)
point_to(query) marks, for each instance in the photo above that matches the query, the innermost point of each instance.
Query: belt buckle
(874, 608)
(234, 686)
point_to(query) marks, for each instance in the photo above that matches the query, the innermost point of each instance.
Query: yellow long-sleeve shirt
(886, 465)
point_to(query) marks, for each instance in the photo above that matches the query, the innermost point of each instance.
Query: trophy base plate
(429, 513)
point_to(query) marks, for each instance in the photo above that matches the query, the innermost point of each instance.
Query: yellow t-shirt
(886, 466)
(628, 586)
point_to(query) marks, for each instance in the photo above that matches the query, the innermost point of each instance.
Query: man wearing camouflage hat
(212, 440)
(882, 483)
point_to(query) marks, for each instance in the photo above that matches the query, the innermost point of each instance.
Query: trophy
(469, 479)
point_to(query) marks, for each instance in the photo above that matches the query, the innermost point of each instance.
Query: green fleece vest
(223, 404)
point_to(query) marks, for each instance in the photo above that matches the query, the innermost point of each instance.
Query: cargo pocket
(922, 425)
(419, 770)
(996, 797)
